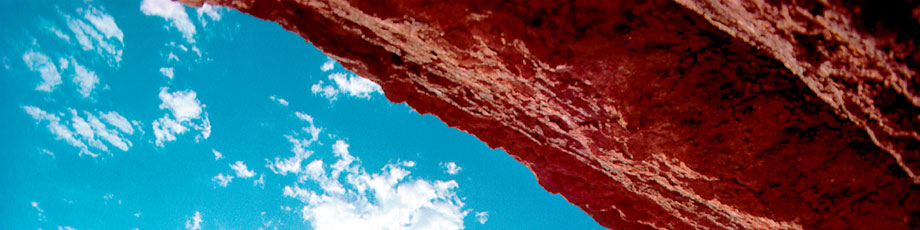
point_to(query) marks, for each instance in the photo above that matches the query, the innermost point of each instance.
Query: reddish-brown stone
(692, 114)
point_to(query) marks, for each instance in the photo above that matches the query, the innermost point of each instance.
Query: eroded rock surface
(691, 114)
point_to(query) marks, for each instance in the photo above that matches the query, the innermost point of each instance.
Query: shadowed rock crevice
(657, 114)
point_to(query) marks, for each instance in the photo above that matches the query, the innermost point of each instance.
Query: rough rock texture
(692, 114)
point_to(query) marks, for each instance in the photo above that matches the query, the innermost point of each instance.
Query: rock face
(691, 114)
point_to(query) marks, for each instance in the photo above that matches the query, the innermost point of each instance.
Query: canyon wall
(657, 114)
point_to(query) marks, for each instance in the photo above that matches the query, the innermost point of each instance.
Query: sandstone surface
(657, 114)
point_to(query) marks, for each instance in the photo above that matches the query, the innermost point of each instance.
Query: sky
(152, 115)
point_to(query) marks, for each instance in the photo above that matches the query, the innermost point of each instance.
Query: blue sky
(152, 115)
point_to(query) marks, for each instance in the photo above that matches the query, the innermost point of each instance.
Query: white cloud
(38, 62)
(222, 180)
(173, 12)
(60, 34)
(82, 133)
(59, 130)
(85, 79)
(211, 11)
(304, 117)
(328, 65)
(168, 72)
(98, 31)
(350, 85)
(293, 163)
(186, 113)
(104, 23)
(355, 86)
(280, 101)
(183, 104)
(39, 211)
(120, 122)
(450, 168)
(165, 130)
(260, 182)
(241, 170)
(386, 200)
(194, 223)
(48, 152)
(112, 136)
(217, 155)
(66, 228)
(482, 217)
(326, 91)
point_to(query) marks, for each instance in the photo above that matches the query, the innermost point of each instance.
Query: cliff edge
(657, 114)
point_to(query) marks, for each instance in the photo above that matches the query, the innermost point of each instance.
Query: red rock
(693, 114)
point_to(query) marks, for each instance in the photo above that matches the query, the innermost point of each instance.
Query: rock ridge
(685, 114)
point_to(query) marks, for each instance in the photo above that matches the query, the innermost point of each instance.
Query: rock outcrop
(657, 114)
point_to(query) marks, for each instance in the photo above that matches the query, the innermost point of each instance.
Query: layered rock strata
(685, 114)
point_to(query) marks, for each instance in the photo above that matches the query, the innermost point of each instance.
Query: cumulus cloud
(183, 104)
(186, 113)
(451, 168)
(482, 217)
(241, 170)
(386, 200)
(39, 62)
(347, 84)
(280, 101)
(194, 223)
(343, 195)
(328, 65)
(173, 12)
(222, 180)
(81, 132)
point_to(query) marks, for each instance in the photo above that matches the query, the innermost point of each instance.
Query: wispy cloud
(39, 62)
(81, 132)
(97, 31)
(294, 163)
(40, 212)
(280, 100)
(348, 84)
(173, 12)
(451, 168)
(217, 155)
(222, 180)
(194, 223)
(120, 122)
(327, 91)
(209, 11)
(482, 217)
(85, 79)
